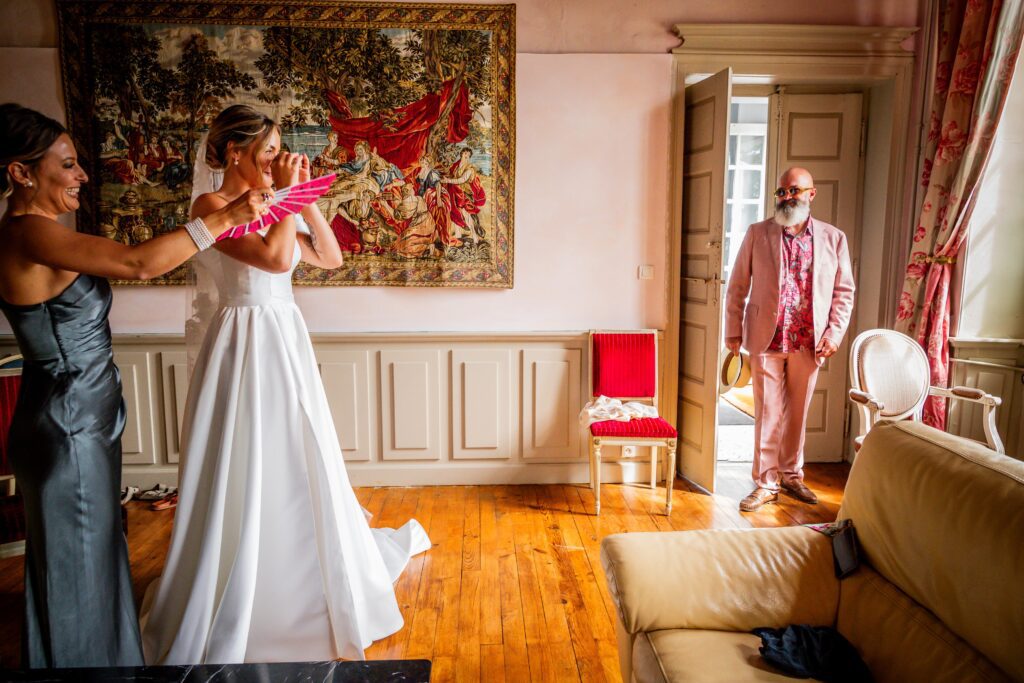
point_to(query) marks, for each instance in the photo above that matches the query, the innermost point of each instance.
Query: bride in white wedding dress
(271, 555)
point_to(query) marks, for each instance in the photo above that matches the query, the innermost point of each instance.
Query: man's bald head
(796, 177)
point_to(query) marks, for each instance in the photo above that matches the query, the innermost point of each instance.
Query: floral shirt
(795, 323)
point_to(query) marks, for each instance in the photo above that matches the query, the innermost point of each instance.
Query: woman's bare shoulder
(207, 203)
(32, 225)
(29, 220)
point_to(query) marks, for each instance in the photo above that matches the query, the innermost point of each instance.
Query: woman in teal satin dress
(65, 435)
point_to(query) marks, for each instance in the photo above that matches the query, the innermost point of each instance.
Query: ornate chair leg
(591, 462)
(670, 476)
(597, 476)
(654, 467)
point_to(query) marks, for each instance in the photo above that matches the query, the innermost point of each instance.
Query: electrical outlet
(645, 273)
(629, 451)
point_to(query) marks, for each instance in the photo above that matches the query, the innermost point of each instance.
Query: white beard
(788, 216)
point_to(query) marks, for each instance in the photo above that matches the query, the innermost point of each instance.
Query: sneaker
(156, 493)
(757, 498)
(128, 493)
(799, 490)
(166, 503)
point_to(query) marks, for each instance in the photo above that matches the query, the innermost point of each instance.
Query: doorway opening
(848, 121)
(745, 204)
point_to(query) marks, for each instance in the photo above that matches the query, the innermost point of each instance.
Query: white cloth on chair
(603, 408)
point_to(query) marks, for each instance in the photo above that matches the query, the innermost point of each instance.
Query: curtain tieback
(949, 260)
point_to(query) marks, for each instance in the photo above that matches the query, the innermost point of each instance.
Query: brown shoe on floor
(799, 490)
(757, 498)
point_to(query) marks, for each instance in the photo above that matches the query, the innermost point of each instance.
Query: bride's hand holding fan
(248, 207)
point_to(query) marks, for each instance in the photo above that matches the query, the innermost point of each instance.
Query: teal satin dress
(65, 449)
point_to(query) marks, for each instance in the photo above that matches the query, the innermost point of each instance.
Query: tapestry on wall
(411, 105)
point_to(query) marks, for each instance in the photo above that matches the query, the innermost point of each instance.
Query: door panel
(822, 133)
(705, 146)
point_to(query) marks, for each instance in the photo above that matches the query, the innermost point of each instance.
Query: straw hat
(735, 371)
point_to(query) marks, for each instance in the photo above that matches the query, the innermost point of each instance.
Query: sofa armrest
(725, 580)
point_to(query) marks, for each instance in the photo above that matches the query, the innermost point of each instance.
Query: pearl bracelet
(199, 233)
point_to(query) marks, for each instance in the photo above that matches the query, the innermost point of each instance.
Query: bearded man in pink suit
(796, 271)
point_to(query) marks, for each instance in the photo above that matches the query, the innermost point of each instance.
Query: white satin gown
(271, 557)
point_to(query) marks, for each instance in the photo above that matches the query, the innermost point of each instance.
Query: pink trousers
(783, 386)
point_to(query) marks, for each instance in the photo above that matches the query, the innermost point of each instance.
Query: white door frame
(791, 55)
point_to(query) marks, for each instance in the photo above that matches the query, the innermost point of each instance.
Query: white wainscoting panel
(482, 401)
(409, 408)
(139, 441)
(347, 380)
(174, 373)
(997, 367)
(410, 404)
(551, 402)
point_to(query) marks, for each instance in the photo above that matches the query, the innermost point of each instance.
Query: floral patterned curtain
(978, 42)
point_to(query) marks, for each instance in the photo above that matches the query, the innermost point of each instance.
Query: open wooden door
(825, 135)
(705, 146)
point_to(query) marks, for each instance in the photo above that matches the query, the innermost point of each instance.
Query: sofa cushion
(900, 641)
(679, 655)
(726, 579)
(942, 518)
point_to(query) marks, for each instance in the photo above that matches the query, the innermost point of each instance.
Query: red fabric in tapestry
(643, 427)
(401, 136)
(9, 387)
(624, 365)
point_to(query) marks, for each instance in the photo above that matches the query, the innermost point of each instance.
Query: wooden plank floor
(513, 588)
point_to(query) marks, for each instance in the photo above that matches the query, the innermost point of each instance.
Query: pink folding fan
(285, 202)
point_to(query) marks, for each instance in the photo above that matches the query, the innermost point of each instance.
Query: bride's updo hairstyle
(25, 135)
(240, 124)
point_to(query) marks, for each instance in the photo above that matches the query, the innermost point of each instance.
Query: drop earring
(236, 161)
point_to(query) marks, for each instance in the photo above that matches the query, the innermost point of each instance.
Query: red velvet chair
(624, 365)
(12, 515)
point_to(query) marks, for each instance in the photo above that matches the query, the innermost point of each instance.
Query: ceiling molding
(793, 40)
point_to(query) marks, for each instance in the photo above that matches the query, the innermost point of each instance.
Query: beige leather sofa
(939, 596)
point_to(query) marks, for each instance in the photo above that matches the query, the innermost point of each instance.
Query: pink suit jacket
(758, 272)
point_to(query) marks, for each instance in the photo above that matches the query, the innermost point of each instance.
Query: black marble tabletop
(381, 671)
